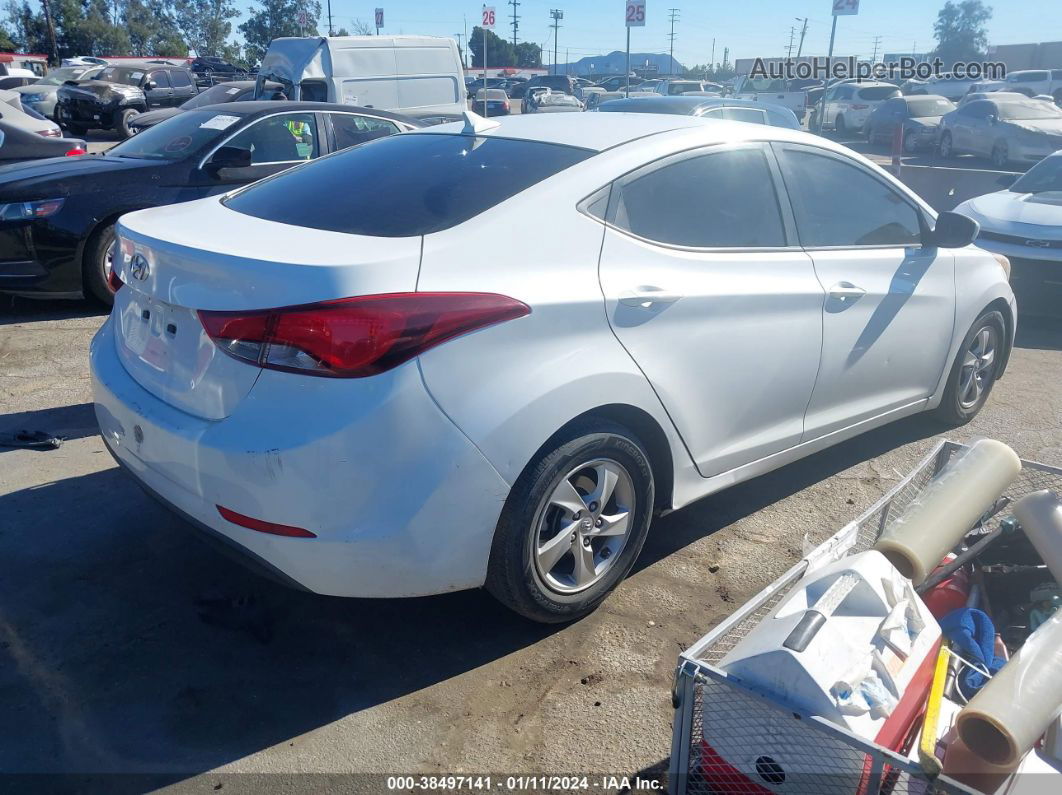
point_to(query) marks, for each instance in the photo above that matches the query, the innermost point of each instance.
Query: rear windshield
(879, 92)
(404, 185)
(929, 106)
(215, 95)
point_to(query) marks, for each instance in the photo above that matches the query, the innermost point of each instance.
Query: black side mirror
(953, 231)
(229, 157)
(150, 85)
(1006, 180)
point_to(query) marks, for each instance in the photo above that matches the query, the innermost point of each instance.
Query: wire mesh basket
(831, 759)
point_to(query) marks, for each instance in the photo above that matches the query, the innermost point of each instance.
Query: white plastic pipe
(1040, 516)
(1017, 705)
(948, 508)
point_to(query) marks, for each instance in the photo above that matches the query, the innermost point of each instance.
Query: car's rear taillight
(114, 281)
(355, 337)
(262, 526)
(75, 151)
(51, 133)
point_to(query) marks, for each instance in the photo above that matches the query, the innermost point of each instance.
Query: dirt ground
(128, 646)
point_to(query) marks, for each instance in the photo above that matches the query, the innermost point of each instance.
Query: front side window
(722, 199)
(404, 185)
(118, 74)
(839, 204)
(351, 130)
(284, 138)
(160, 78)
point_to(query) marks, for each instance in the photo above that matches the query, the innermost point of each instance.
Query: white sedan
(1024, 222)
(356, 374)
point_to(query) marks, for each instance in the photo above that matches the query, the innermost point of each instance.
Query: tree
(205, 24)
(6, 43)
(960, 31)
(499, 51)
(274, 18)
(527, 55)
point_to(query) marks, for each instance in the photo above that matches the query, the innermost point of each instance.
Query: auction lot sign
(845, 8)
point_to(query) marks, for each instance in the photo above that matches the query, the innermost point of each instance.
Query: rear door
(889, 310)
(706, 289)
(183, 87)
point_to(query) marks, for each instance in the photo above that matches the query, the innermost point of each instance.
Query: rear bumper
(401, 502)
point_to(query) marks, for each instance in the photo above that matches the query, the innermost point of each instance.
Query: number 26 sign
(488, 17)
(635, 13)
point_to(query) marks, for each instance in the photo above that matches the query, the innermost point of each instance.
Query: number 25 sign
(488, 17)
(635, 13)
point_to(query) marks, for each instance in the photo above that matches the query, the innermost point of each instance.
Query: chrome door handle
(647, 296)
(846, 290)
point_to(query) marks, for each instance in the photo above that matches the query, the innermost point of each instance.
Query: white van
(420, 76)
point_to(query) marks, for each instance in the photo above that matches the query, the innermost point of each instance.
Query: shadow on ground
(14, 309)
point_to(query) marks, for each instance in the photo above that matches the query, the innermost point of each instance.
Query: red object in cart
(949, 594)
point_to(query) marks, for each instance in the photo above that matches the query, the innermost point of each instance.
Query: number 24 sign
(488, 17)
(843, 8)
(635, 13)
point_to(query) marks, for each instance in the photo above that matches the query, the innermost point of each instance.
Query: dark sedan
(57, 231)
(232, 91)
(917, 115)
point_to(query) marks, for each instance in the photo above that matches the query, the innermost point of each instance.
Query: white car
(1029, 82)
(375, 393)
(947, 85)
(1006, 131)
(849, 105)
(1024, 222)
(674, 88)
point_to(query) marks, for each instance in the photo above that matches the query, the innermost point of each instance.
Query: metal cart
(835, 759)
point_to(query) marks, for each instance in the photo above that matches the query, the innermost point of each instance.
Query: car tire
(124, 118)
(545, 582)
(944, 148)
(839, 126)
(96, 269)
(1000, 154)
(971, 378)
(910, 145)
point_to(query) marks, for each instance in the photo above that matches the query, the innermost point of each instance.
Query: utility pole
(789, 49)
(460, 45)
(516, 19)
(726, 58)
(673, 18)
(877, 43)
(331, 31)
(712, 64)
(803, 33)
(557, 15)
(51, 30)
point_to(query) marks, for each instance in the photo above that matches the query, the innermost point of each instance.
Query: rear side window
(720, 200)
(837, 204)
(351, 130)
(405, 185)
(180, 78)
(879, 92)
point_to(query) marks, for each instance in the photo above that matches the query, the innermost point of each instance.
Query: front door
(706, 289)
(888, 315)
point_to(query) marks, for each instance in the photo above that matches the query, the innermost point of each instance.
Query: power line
(789, 48)
(673, 16)
(877, 43)
(557, 15)
(515, 18)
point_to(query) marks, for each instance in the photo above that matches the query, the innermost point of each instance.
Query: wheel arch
(647, 431)
(1009, 324)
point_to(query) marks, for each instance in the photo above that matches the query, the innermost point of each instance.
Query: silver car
(41, 96)
(1007, 131)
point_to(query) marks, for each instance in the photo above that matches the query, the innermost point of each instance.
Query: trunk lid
(201, 255)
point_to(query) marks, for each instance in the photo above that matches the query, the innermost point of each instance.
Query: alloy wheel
(583, 525)
(978, 365)
(1000, 154)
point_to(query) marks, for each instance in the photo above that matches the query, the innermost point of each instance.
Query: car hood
(1004, 208)
(57, 175)
(925, 121)
(98, 90)
(154, 117)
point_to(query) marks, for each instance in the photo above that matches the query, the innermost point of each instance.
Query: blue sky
(748, 27)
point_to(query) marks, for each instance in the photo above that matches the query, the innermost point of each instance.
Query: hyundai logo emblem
(138, 267)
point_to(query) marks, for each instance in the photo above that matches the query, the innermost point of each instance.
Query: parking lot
(134, 648)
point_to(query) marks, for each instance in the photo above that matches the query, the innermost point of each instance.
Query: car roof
(264, 106)
(601, 131)
(685, 103)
